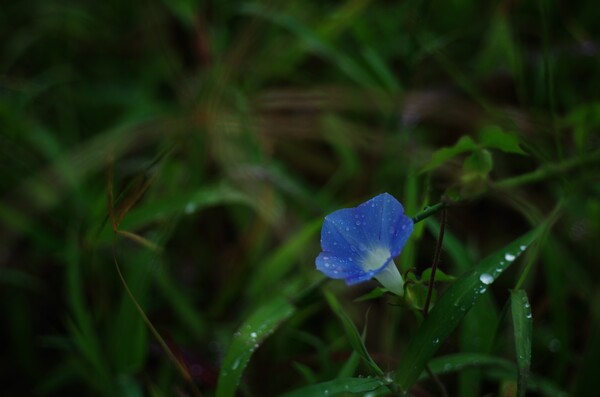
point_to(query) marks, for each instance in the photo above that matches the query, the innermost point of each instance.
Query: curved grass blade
(338, 386)
(480, 321)
(461, 361)
(263, 322)
(495, 368)
(522, 325)
(274, 268)
(353, 336)
(452, 307)
(188, 203)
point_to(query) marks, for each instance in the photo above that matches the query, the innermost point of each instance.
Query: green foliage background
(193, 148)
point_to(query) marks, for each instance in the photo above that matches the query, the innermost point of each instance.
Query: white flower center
(389, 277)
(374, 258)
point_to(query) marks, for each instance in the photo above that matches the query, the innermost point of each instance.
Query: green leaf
(493, 137)
(496, 368)
(381, 70)
(377, 292)
(281, 261)
(338, 386)
(480, 162)
(479, 325)
(128, 332)
(464, 144)
(440, 276)
(188, 203)
(352, 333)
(583, 119)
(262, 323)
(349, 366)
(416, 295)
(522, 324)
(452, 307)
(460, 361)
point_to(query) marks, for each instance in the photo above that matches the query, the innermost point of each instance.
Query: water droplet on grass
(486, 278)
(190, 208)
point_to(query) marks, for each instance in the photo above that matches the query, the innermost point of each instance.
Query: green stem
(434, 209)
(436, 261)
(548, 171)
(544, 172)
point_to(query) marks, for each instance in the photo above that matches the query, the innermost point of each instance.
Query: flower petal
(336, 235)
(360, 243)
(386, 225)
(391, 279)
(339, 267)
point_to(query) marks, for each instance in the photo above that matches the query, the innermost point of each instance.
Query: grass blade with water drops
(452, 307)
(522, 325)
(263, 322)
(338, 386)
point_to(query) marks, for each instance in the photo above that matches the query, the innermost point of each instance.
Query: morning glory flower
(361, 243)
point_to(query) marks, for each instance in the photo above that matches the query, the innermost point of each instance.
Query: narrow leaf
(353, 336)
(493, 137)
(452, 307)
(246, 340)
(338, 386)
(275, 267)
(522, 324)
(440, 276)
(464, 144)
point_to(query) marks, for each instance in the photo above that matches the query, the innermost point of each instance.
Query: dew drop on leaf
(486, 278)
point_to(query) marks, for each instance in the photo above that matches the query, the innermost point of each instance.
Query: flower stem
(436, 260)
(548, 171)
(430, 211)
(544, 172)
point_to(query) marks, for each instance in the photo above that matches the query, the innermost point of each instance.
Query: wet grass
(166, 166)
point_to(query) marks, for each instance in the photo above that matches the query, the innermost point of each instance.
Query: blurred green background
(213, 137)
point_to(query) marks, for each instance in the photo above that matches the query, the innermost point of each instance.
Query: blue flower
(360, 243)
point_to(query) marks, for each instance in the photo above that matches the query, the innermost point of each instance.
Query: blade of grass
(522, 324)
(478, 326)
(274, 268)
(352, 333)
(495, 368)
(338, 386)
(259, 325)
(452, 306)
